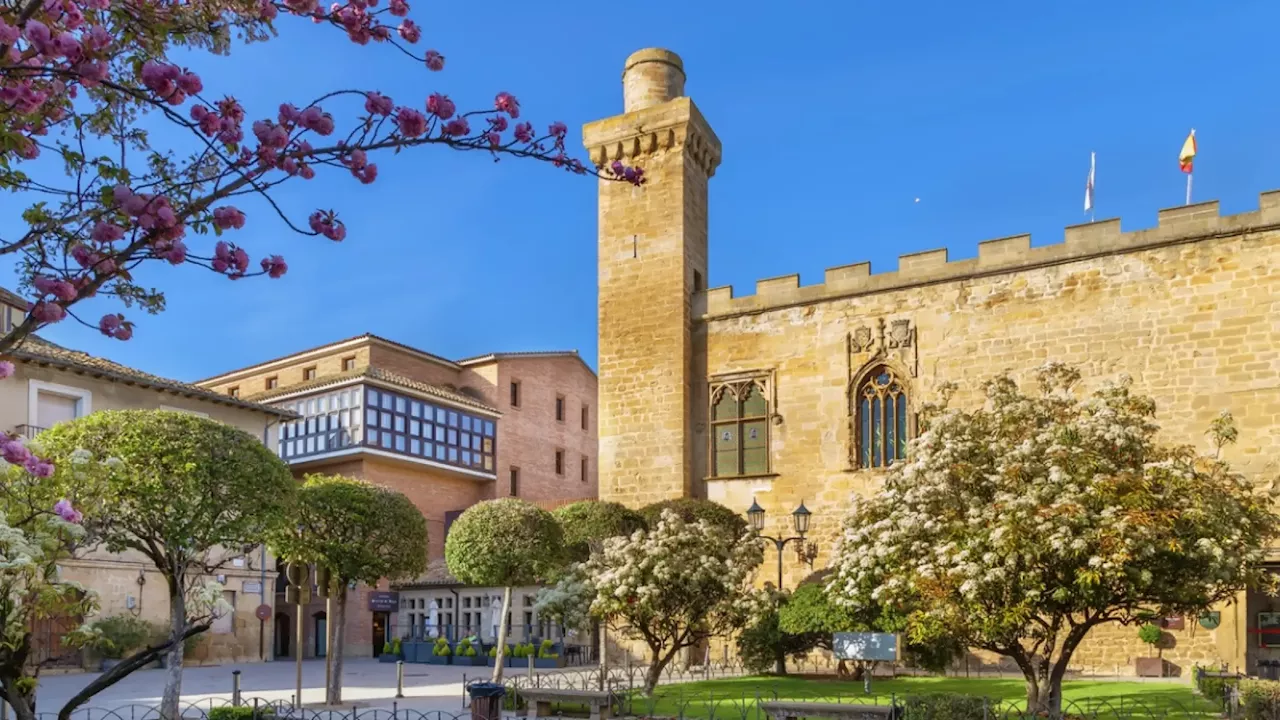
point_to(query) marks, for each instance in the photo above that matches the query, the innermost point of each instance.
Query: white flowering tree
(671, 587)
(1020, 526)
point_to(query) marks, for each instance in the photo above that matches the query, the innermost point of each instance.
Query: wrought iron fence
(255, 709)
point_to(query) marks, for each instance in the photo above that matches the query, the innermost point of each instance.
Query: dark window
(560, 408)
(348, 364)
(584, 469)
(449, 517)
(881, 419)
(272, 382)
(309, 373)
(515, 394)
(234, 392)
(697, 281)
(585, 414)
(393, 416)
(559, 462)
(515, 482)
(739, 429)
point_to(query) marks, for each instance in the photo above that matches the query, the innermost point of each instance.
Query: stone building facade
(736, 398)
(447, 434)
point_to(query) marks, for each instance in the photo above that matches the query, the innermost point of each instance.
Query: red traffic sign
(263, 612)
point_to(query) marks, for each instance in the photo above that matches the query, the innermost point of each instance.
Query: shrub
(946, 706)
(242, 712)
(465, 648)
(386, 648)
(121, 634)
(693, 510)
(1150, 634)
(442, 648)
(395, 646)
(547, 650)
(1259, 698)
(1214, 688)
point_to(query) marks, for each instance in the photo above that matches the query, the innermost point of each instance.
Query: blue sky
(834, 118)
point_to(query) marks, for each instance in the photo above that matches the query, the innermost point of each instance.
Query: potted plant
(547, 656)
(466, 654)
(388, 654)
(493, 655)
(441, 653)
(1150, 666)
(119, 635)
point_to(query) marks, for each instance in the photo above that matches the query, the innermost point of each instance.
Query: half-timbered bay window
(881, 423)
(740, 427)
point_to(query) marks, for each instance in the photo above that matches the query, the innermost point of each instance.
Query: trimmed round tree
(361, 533)
(588, 523)
(189, 493)
(693, 511)
(1019, 526)
(504, 543)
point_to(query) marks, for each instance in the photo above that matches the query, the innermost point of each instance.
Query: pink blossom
(125, 332)
(409, 31)
(92, 72)
(8, 33)
(498, 123)
(190, 83)
(60, 289)
(98, 38)
(6, 369)
(411, 122)
(38, 34)
(288, 113)
(39, 468)
(267, 11)
(495, 139)
(399, 8)
(63, 509)
(13, 451)
(228, 218)
(366, 174)
(377, 104)
(457, 127)
(507, 103)
(274, 266)
(524, 132)
(557, 130)
(435, 61)
(440, 106)
(327, 223)
(175, 252)
(66, 45)
(48, 313)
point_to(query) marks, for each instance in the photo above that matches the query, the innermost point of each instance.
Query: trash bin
(486, 700)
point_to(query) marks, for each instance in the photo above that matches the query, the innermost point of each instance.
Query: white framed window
(49, 403)
(171, 408)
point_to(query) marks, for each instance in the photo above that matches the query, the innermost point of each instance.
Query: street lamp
(800, 516)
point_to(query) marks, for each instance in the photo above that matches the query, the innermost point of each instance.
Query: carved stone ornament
(886, 340)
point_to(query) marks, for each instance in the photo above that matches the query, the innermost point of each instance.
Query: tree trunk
(333, 696)
(502, 636)
(23, 703)
(177, 631)
(603, 630)
(656, 666)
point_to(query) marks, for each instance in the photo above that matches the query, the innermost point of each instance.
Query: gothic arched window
(739, 429)
(881, 420)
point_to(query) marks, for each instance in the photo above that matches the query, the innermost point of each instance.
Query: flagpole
(1188, 188)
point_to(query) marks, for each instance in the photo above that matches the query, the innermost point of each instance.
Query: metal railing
(28, 431)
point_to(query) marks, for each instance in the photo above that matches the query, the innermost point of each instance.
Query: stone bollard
(235, 688)
(399, 678)
(486, 701)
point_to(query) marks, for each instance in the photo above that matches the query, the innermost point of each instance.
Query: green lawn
(735, 698)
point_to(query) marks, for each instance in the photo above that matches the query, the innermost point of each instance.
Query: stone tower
(653, 258)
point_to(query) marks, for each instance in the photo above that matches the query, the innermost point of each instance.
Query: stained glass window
(881, 419)
(740, 429)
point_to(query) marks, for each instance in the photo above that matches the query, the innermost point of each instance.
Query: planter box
(1150, 667)
(440, 659)
(476, 660)
(388, 658)
(555, 662)
(415, 652)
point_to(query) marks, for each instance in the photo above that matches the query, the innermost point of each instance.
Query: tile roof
(38, 351)
(527, 354)
(377, 374)
(437, 574)
(9, 297)
(366, 336)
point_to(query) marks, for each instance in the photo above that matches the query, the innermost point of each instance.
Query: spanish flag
(1188, 155)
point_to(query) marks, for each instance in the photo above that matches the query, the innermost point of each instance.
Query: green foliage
(588, 523)
(1259, 698)
(360, 532)
(465, 648)
(386, 648)
(763, 643)
(241, 712)
(946, 706)
(1150, 634)
(493, 651)
(1214, 688)
(809, 610)
(395, 646)
(693, 510)
(504, 543)
(441, 648)
(119, 635)
(547, 650)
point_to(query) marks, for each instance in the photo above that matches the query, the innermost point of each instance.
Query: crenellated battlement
(1180, 224)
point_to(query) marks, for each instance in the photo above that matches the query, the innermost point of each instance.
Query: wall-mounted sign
(1175, 622)
(252, 587)
(383, 601)
(1211, 620)
(263, 612)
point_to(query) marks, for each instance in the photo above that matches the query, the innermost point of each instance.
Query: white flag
(1088, 186)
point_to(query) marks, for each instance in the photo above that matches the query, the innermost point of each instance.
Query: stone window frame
(899, 377)
(766, 381)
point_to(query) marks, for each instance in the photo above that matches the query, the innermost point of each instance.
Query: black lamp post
(801, 515)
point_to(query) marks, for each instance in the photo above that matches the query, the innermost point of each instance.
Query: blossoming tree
(671, 586)
(360, 533)
(188, 493)
(80, 79)
(504, 543)
(1020, 526)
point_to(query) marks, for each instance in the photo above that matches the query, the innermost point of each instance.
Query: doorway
(322, 634)
(379, 632)
(282, 635)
